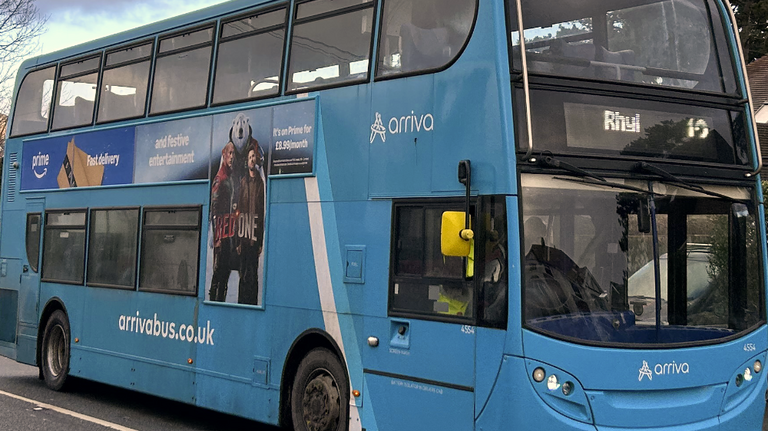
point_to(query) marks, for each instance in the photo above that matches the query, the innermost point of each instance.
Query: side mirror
(643, 216)
(455, 240)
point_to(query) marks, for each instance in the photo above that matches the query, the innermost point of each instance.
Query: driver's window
(249, 57)
(424, 281)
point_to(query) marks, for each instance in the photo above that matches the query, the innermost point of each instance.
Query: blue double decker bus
(397, 214)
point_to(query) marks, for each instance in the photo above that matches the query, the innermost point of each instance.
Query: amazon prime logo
(40, 163)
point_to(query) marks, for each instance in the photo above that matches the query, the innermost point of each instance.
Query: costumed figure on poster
(251, 205)
(223, 207)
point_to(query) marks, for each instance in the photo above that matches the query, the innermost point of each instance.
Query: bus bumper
(515, 404)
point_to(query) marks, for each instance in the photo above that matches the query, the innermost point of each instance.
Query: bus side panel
(146, 336)
(235, 359)
(343, 145)
(11, 295)
(401, 404)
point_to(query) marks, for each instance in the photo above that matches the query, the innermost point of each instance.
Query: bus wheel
(55, 351)
(320, 394)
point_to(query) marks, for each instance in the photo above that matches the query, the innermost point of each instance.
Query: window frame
(459, 53)
(84, 227)
(136, 254)
(60, 77)
(157, 55)
(286, 25)
(720, 23)
(150, 58)
(443, 204)
(49, 120)
(142, 244)
(371, 4)
(35, 267)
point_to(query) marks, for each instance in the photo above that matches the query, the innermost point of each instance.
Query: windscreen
(671, 43)
(638, 262)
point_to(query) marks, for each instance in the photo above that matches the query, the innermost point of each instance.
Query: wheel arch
(303, 344)
(52, 305)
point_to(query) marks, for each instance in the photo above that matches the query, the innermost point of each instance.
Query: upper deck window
(250, 57)
(182, 70)
(670, 43)
(124, 84)
(422, 35)
(33, 102)
(76, 93)
(331, 43)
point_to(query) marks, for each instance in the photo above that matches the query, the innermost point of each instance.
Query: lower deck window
(64, 247)
(170, 250)
(112, 247)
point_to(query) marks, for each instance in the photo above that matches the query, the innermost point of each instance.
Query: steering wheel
(549, 292)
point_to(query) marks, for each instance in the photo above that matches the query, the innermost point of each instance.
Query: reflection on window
(332, 49)
(170, 250)
(422, 34)
(182, 70)
(667, 43)
(33, 103)
(124, 84)
(590, 269)
(248, 63)
(64, 247)
(76, 94)
(113, 241)
(425, 281)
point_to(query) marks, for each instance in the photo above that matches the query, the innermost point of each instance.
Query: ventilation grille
(13, 159)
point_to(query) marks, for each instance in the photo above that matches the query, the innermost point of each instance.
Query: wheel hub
(321, 404)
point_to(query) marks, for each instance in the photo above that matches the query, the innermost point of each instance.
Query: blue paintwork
(437, 375)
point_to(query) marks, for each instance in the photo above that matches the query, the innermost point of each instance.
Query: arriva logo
(662, 369)
(40, 160)
(405, 124)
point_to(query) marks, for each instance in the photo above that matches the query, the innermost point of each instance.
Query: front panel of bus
(642, 265)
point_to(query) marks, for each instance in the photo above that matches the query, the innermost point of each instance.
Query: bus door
(420, 375)
(29, 289)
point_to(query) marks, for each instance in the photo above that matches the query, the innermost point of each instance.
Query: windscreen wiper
(609, 184)
(551, 162)
(679, 182)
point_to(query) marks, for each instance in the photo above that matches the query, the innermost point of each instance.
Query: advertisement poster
(239, 158)
(85, 160)
(293, 139)
(173, 151)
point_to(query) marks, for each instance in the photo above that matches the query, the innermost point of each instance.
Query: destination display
(577, 124)
(635, 130)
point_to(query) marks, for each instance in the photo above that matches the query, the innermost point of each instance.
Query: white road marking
(69, 413)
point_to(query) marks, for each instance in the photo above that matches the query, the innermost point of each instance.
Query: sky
(71, 22)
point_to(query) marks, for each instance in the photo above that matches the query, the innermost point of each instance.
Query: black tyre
(54, 357)
(320, 393)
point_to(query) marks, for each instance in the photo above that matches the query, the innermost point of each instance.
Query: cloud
(89, 7)
(72, 22)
